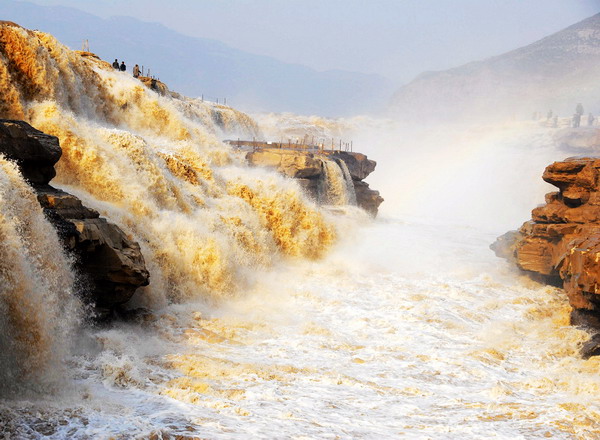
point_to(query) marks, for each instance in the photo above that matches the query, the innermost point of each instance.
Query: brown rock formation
(110, 265)
(292, 163)
(358, 164)
(562, 241)
(307, 167)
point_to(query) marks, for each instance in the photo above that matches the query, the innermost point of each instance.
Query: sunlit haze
(286, 219)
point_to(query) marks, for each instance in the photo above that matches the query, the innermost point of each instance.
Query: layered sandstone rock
(307, 167)
(110, 265)
(292, 163)
(562, 240)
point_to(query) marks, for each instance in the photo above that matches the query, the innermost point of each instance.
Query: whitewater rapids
(270, 317)
(410, 327)
(365, 344)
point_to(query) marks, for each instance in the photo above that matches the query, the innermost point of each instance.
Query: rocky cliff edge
(561, 242)
(307, 167)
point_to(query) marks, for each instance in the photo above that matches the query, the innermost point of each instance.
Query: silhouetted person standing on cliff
(576, 120)
(591, 120)
(116, 64)
(136, 71)
(123, 66)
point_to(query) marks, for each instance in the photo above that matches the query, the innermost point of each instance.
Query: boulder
(109, 264)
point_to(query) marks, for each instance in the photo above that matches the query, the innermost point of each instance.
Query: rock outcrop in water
(111, 266)
(308, 168)
(561, 243)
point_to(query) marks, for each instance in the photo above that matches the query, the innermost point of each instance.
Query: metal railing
(321, 145)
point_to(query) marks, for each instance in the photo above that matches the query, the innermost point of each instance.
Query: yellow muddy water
(269, 317)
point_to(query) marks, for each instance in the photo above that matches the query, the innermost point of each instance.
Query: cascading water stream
(350, 191)
(336, 187)
(38, 309)
(154, 165)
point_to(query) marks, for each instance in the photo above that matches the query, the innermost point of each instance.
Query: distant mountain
(197, 66)
(554, 73)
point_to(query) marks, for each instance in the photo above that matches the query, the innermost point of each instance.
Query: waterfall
(154, 165)
(350, 192)
(336, 187)
(37, 306)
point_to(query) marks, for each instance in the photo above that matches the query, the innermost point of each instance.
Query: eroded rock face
(562, 241)
(110, 265)
(307, 167)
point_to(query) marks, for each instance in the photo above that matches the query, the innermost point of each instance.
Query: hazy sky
(395, 38)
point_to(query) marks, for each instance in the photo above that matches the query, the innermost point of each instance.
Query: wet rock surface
(562, 241)
(110, 265)
(307, 167)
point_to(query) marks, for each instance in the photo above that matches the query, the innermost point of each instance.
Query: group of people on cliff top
(123, 68)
